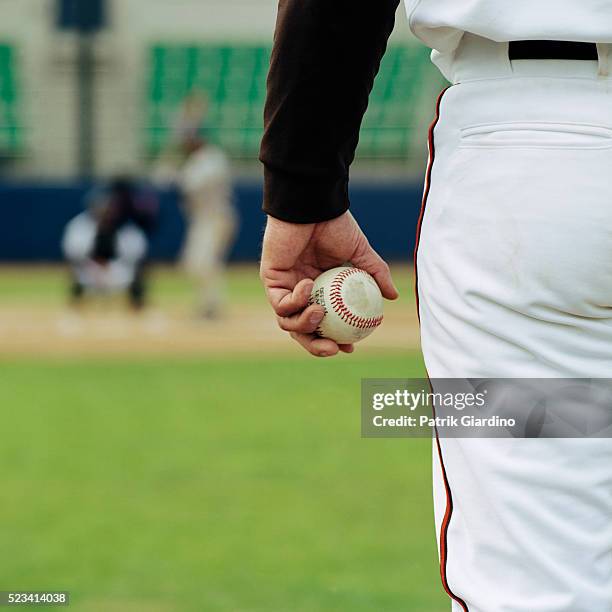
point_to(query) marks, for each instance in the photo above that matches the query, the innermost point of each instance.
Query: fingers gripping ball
(352, 301)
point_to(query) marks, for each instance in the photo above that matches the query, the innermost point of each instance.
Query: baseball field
(155, 463)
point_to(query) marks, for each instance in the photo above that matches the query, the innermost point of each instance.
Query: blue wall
(33, 218)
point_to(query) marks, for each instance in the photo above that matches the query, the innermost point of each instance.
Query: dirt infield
(32, 325)
(37, 331)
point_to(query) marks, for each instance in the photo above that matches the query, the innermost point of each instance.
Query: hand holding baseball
(295, 254)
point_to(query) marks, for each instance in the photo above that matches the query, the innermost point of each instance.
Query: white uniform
(205, 182)
(440, 24)
(514, 267)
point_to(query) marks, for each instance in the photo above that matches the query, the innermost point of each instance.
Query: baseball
(352, 301)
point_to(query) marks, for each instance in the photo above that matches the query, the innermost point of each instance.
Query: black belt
(551, 49)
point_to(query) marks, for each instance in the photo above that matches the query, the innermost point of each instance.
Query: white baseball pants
(514, 264)
(209, 238)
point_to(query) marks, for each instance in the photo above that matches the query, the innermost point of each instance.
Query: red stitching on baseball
(342, 310)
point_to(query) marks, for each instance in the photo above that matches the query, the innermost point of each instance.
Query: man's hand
(295, 254)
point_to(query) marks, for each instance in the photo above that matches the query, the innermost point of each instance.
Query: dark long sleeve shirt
(325, 57)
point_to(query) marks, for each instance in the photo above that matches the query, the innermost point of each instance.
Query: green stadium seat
(233, 77)
(11, 130)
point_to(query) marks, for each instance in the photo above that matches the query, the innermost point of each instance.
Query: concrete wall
(46, 86)
(47, 61)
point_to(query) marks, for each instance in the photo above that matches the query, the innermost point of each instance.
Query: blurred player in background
(202, 173)
(106, 245)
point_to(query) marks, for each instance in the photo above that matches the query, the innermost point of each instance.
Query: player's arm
(326, 55)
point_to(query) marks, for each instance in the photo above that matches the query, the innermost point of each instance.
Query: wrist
(304, 200)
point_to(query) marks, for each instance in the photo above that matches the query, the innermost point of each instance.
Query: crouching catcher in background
(107, 244)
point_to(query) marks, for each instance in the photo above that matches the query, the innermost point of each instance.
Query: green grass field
(210, 484)
(47, 285)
